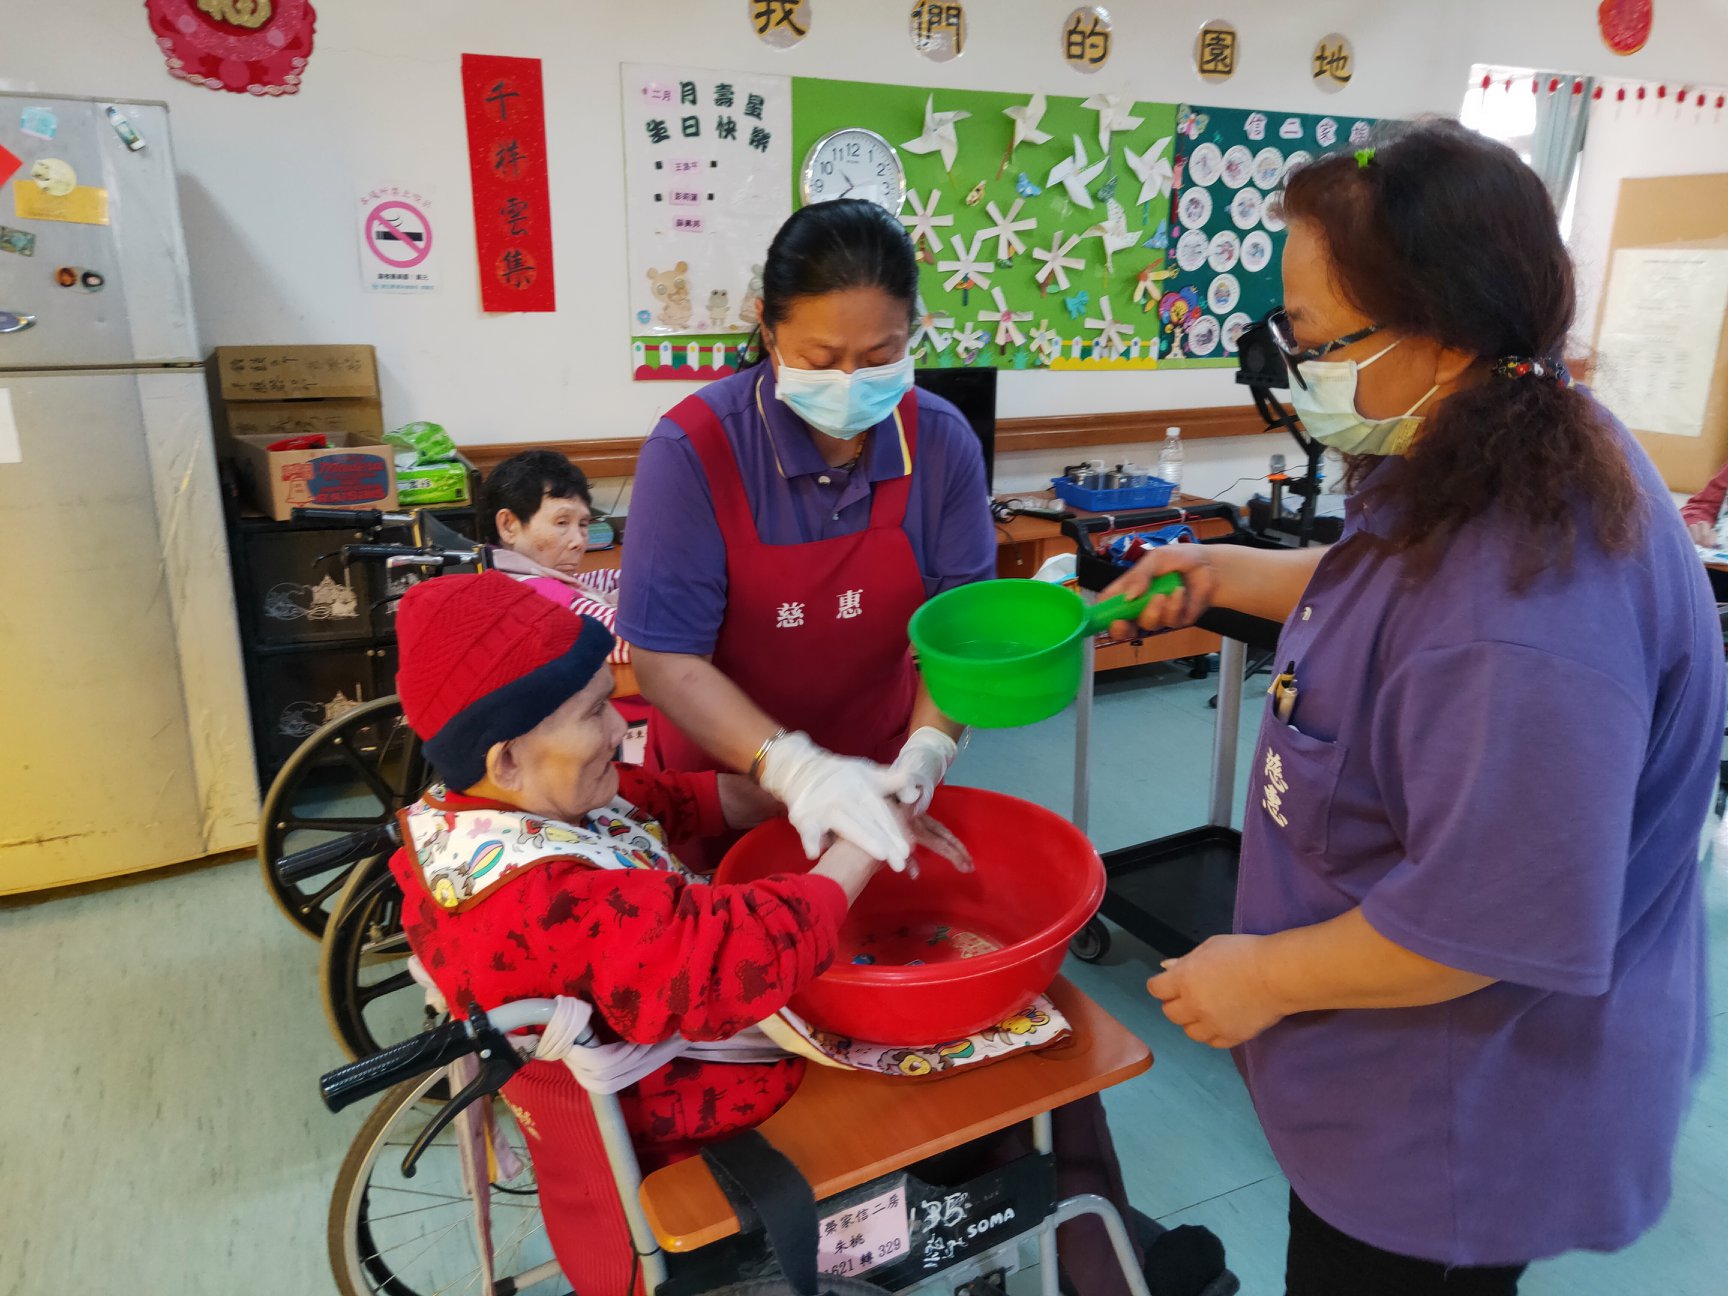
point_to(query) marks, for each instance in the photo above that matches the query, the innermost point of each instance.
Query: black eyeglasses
(1284, 338)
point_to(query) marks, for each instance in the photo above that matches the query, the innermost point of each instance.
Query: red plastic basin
(990, 941)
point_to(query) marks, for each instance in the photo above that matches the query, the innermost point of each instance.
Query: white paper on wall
(707, 168)
(1656, 350)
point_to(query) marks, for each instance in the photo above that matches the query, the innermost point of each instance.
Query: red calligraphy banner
(506, 112)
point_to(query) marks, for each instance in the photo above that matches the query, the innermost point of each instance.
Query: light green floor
(163, 1041)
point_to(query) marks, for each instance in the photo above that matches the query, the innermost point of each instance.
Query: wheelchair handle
(363, 518)
(431, 1049)
(333, 854)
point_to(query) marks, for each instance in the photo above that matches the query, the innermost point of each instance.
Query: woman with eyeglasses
(1466, 989)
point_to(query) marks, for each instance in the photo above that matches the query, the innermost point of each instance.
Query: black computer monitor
(973, 393)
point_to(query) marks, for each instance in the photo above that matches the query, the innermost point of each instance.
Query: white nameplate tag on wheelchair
(865, 1236)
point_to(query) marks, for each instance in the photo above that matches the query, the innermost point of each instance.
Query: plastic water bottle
(1170, 458)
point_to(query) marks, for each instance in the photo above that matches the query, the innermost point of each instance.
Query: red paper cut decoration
(506, 110)
(1553, 84)
(1596, 93)
(259, 47)
(1625, 24)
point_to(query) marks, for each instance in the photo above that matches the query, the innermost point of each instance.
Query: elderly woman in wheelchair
(537, 867)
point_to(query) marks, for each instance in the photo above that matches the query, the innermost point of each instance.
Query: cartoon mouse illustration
(672, 291)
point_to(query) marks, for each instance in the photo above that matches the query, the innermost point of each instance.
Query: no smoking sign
(396, 241)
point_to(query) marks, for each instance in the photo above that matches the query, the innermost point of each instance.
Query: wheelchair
(405, 1219)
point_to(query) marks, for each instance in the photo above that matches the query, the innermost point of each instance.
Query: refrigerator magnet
(54, 176)
(17, 241)
(39, 121)
(15, 322)
(80, 278)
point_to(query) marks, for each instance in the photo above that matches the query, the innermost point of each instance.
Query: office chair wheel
(352, 775)
(1092, 942)
(414, 1237)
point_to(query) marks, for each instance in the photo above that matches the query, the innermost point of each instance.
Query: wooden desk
(843, 1128)
(1024, 544)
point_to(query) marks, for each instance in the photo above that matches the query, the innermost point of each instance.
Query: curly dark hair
(1445, 234)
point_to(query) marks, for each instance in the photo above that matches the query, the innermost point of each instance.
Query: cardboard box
(357, 472)
(290, 373)
(273, 420)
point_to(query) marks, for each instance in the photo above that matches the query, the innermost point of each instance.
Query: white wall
(269, 185)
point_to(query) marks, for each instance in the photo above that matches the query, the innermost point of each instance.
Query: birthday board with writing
(1227, 220)
(708, 160)
(1046, 252)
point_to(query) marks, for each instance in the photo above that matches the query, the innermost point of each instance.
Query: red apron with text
(814, 633)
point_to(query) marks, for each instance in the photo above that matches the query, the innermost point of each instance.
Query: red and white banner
(506, 112)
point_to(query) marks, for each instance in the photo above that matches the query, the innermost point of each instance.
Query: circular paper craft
(1257, 248)
(1334, 62)
(1215, 51)
(1224, 252)
(1222, 296)
(1625, 24)
(1086, 36)
(1233, 330)
(1268, 168)
(1191, 250)
(258, 47)
(1272, 211)
(1204, 164)
(54, 177)
(1296, 161)
(939, 30)
(1202, 336)
(1238, 166)
(1245, 209)
(1195, 208)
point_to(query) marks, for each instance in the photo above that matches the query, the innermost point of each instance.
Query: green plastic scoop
(998, 654)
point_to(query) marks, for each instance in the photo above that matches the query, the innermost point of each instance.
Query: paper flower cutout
(966, 266)
(1074, 175)
(1046, 342)
(1057, 262)
(1076, 305)
(938, 134)
(1007, 322)
(1112, 335)
(922, 223)
(932, 326)
(1152, 169)
(1006, 229)
(1115, 113)
(1026, 117)
(968, 342)
(1147, 282)
(1113, 233)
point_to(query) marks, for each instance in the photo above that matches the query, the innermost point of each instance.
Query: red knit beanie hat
(483, 660)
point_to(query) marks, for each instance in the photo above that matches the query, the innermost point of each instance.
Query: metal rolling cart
(1171, 892)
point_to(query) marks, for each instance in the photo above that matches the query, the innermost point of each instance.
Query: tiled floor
(163, 1042)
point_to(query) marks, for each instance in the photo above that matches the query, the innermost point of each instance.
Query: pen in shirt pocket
(1284, 692)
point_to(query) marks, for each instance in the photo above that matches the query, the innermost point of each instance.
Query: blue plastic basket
(1155, 493)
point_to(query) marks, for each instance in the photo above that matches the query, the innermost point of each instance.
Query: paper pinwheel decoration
(1112, 336)
(1046, 343)
(1007, 322)
(1115, 113)
(938, 134)
(1151, 168)
(1026, 117)
(1074, 175)
(922, 223)
(968, 342)
(1006, 229)
(1057, 262)
(1113, 233)
(968, 271)
(932, 326)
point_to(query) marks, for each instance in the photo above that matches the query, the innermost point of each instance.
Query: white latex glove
(842, 795)
(924, 760)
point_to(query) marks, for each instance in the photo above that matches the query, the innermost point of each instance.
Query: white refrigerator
(123, 714)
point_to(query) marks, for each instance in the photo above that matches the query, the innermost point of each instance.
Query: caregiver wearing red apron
(785, 523)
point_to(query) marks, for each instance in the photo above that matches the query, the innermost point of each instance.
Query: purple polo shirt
(1514, 786)
(673, 591)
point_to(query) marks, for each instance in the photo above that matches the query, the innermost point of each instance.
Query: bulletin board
(1667, 214)
(1227, 229)
(1095, 321)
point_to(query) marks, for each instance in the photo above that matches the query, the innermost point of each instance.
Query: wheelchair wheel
(416, 1237)
(351, 775)
(369, 997)
(1091, 942)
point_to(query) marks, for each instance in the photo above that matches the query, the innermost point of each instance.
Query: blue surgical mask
(1329, 413)
(844, 404)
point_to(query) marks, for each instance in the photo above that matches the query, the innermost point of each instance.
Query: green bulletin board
(1227, 226)
(1052, 320)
